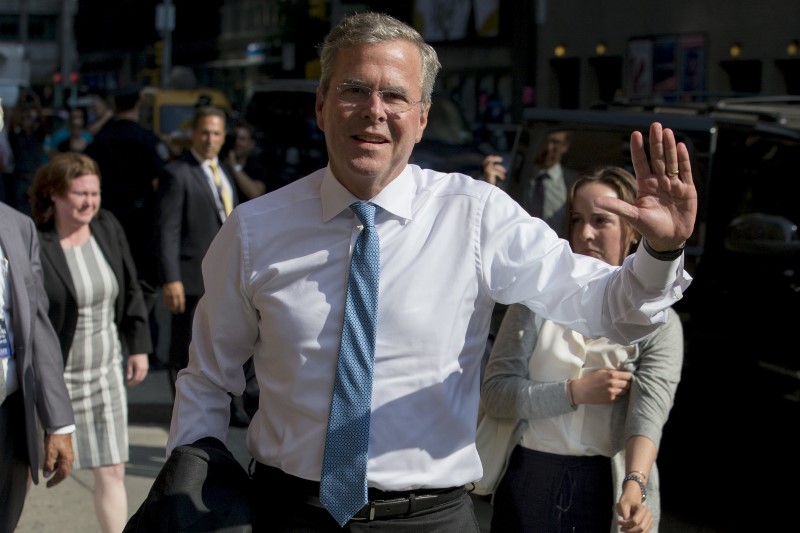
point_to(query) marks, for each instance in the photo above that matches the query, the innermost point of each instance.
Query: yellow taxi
(169, 112)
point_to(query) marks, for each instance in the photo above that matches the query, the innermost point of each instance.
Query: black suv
(282, 112)
(737, 410)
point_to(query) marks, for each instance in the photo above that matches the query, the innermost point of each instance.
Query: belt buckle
(368, 518)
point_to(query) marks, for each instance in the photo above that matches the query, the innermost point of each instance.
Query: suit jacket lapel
(52, 251)
(102, 234)
(200, 179)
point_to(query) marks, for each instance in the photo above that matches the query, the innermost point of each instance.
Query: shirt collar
(395, 198)
(553, 172)
(201, 160)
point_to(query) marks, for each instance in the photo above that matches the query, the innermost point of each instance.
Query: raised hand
(666, 206)
(493, 169)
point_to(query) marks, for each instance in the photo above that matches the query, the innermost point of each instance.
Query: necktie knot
(365, 212)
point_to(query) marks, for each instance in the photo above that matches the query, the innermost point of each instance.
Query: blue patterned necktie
(343, 483)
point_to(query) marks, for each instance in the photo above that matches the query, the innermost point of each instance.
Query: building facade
(43, 29)
(498, 56)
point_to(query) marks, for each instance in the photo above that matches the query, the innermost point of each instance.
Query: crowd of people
(101, 272)
(368, 393)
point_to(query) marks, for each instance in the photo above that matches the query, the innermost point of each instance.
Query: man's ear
(423, 121)
(319, 104)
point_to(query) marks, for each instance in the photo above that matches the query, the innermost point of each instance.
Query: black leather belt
(381, 504)
(413, 502)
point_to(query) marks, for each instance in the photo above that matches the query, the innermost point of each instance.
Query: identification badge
(5, 347)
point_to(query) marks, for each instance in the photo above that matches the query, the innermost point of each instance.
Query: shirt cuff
(662, 256)
(653, 272)
(66, 430)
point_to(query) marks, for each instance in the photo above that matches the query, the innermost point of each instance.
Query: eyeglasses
(393, 101)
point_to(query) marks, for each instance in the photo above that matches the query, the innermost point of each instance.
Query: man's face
(367, 145)
(244, 142)
(208, 136)
(556, 145)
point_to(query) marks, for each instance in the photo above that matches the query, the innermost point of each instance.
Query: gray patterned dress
(93, 370)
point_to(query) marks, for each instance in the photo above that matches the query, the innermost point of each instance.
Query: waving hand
(666, 206)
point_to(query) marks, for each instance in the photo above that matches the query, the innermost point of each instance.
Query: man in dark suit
(31, 373)
(130, 158)
(195, 195)
(543, 194)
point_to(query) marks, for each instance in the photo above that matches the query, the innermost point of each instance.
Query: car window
(290, 142)
(446, 123)
(593, 145)
(285, 116)
(448, 144)
(762, 173)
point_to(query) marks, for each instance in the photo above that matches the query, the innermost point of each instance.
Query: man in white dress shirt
(451, 246)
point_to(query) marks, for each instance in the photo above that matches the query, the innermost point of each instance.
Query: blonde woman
(591, 411)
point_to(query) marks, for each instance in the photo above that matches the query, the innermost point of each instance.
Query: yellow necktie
(223, 192)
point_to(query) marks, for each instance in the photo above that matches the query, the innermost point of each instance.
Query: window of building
(9, 27)
(42, 27)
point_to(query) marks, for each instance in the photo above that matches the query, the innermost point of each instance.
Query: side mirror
(759, 233)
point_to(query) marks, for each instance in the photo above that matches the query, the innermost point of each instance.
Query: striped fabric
(93, 371)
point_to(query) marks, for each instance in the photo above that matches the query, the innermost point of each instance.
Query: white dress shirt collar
(395, 198)
(555, 172)
(202, 160)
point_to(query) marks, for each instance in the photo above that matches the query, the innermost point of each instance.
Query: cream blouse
(561, 354)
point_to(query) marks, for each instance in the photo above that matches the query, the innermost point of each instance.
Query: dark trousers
(282, 504)
(180, 337)
(14, 468)
(151, 294)
(547, 493)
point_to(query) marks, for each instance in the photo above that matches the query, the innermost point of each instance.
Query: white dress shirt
(451, 246)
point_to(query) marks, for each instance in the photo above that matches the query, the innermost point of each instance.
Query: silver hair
(376, 28)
